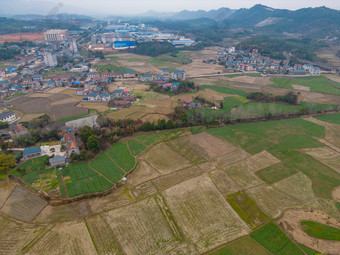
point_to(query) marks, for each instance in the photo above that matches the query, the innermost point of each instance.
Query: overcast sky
(141, 6)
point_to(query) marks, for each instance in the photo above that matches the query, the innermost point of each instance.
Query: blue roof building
(31, 152)
(123, 44)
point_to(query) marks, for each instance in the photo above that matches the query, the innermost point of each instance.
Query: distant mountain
(217, 15)
(247, 18)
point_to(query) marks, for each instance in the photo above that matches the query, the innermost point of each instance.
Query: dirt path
(290, 223)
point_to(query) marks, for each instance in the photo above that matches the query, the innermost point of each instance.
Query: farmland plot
(298, 186)
(65, 238)
(143, 172)
(203, 214)
(142, 229)
(272, 201)
(23, 205)
(6, 189)
(120, 154)
(165, 160)
(15, 235)
(102, 236)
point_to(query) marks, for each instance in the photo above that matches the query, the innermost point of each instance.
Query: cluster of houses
(239, 60)
(59, 153)
(164, 77)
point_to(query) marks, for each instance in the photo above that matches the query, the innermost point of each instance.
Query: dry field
(65, 238)
(203, 214)
(20, 37)
(23, 205)
(165, 160)
(144, 219)
(300, 87)
(290, 223)
(98, 106)
(6, 189)
(325, 155)
(262, 81)
(15, 235)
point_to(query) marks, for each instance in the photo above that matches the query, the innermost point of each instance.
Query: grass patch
(149, 139)
(316, 84)
(275, 240)
(225, 90)
(247, 209)
(230, 102)
(31, 165)
(196, 130)
(321, 231)
(3, 176)
(333, 118)
(275, 173)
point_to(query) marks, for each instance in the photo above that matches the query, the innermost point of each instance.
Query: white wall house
(7, 117)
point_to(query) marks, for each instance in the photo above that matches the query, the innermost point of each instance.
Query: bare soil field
(23, 205)
(262, 81)
(20, 37)
(197, 67)
(154, 117)
(61, 213)
(336, 194)
(98, 106)
(300, 87)
(34, 105)
(144, 172)
(165, 160)
(203, 214)
(260, 161)
(290, 223)
(65, 238)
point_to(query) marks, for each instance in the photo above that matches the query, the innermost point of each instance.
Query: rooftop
(28, 151)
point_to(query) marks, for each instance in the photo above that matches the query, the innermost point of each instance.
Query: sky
(140, 6)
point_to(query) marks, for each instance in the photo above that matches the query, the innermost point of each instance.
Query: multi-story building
(50, 59)
(55, 35)
(7, 116)
(178, 75)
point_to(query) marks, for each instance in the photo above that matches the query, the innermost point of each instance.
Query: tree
(85, 133)
(7, 162)
(3, 125)
(92, 143)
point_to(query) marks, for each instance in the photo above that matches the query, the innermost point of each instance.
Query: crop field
(225, 90)
(243, 246)
(105, 166)
(316, 84)
(203, 214)
(247, 209)
(275, 173)
(31, 165)
(321, 231)
(80, 179)
(275, 240)
(136, 147)
(332, 118)
(165, 160)
(120, 154)
(63, 238)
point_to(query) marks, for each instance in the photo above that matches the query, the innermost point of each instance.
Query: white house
(7, 117)
(315, 71)
(93, 97)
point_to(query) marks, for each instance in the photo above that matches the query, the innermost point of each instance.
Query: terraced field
(240, 189)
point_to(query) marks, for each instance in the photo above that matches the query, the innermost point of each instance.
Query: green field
(136, 147)
(316, 84)
(120, 153)
(3, 176)
(333, 118)
(230, 102)
(224, 133)
(104, 165)
(275, 173)
(301, 141)
(247, 209)
(30, 166)
(275, 240)
(149, 139)
(225, 90)
(321, 231)
(308, 251)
